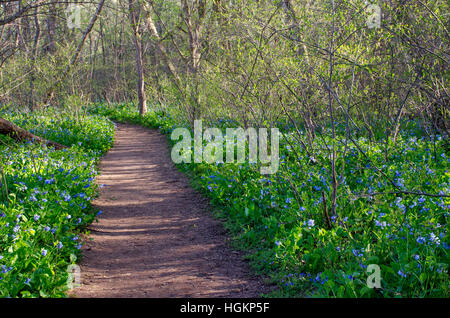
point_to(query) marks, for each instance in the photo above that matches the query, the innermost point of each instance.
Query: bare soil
(156, 236)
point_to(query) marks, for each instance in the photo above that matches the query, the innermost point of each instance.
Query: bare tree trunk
(18, 25)
(20, 134)
(135, 11)
(330, 106)
(194, 29)
(33, 58)
(51, 28)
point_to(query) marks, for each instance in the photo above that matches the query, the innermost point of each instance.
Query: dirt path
(156, 237)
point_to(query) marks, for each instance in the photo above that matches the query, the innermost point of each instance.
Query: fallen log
(20, 134)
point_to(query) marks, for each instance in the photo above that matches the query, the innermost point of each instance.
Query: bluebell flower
(421, 240)
(6, 269)
(358, 253)
(401, 274)
(434, 239)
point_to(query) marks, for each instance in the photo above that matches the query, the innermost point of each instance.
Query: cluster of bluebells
(398, 223)
(49, 198)
(90, 132)
(284, 214)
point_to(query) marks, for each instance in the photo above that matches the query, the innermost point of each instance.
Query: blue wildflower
(421, 240)
(401, 274)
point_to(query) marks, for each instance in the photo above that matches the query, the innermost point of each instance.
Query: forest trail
(155, 236)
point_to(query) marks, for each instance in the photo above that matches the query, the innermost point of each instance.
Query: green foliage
(279, 219)
(46, 201)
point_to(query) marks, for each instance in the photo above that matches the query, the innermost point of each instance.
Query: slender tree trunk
(134, 10)
(51, 28)
(330, 108)
(194, 28)
(33, 58)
